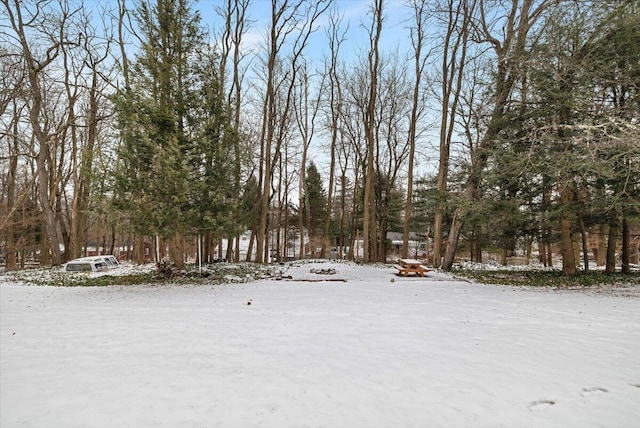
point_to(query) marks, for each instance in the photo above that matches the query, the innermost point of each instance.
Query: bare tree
(394, 108)
(418, 39)
(94, 52)
(306, 110)
(351, 153)
(38, 59)
(236, 24)
(454, 53)
(336, 37)
(369, 226)
(12, 108)
(240, 27)
(286, 18)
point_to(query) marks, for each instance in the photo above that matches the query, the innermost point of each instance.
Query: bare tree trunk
(53, 236)
(252, 239)
(307, 128)
(549, 262)
(229, 253)
(614, 229)
(302, 192)
(542, 248)
(327, 225)
(528, 249)
(139, 250)
(626, 241)
(285, 245)
(341, 220)
(266, 134)
(452, 244)
(601, 256)
(566, 234)
(354, 209)
(634, 251)
(585, 246)
(335, 103)
(44, 162)
(235, 27)
(418, 36)
(10, 234)
(206, 247)
(281, 203)
(112, 241)
(471, 194)
(477, 244)
(283, 17)
(85, 176)
(453, 62)
(427, 245)
(369, 226)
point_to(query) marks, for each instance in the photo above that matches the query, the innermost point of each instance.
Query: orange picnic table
(411, 266)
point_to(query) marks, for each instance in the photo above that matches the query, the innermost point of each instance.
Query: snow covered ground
(374, 350)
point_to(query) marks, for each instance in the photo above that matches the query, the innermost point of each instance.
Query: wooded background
(499, 126)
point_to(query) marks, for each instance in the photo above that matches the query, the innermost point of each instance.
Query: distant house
(417, 247)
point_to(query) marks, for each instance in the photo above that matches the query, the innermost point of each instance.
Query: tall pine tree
(172, 127)
(314, 209)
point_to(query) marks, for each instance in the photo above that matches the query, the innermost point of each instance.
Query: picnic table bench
(410, 266)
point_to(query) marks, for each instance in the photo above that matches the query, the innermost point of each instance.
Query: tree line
(489, 126)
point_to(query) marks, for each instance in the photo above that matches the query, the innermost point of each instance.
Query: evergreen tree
(314, 208)
(584, 81)
(211, 188)
(250, 205)
(173, 127)
(615, 65)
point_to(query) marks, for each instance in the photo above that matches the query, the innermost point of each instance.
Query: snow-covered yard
(371, 351)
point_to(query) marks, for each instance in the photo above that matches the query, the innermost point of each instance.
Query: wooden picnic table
(411, 266)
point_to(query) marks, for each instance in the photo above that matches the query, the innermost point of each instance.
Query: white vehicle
(92, 264)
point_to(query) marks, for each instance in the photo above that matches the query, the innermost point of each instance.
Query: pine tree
(210, 153)
(582, 136)
(314, 209)
(164, 136)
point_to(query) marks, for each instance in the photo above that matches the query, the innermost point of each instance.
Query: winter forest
(316, 128)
